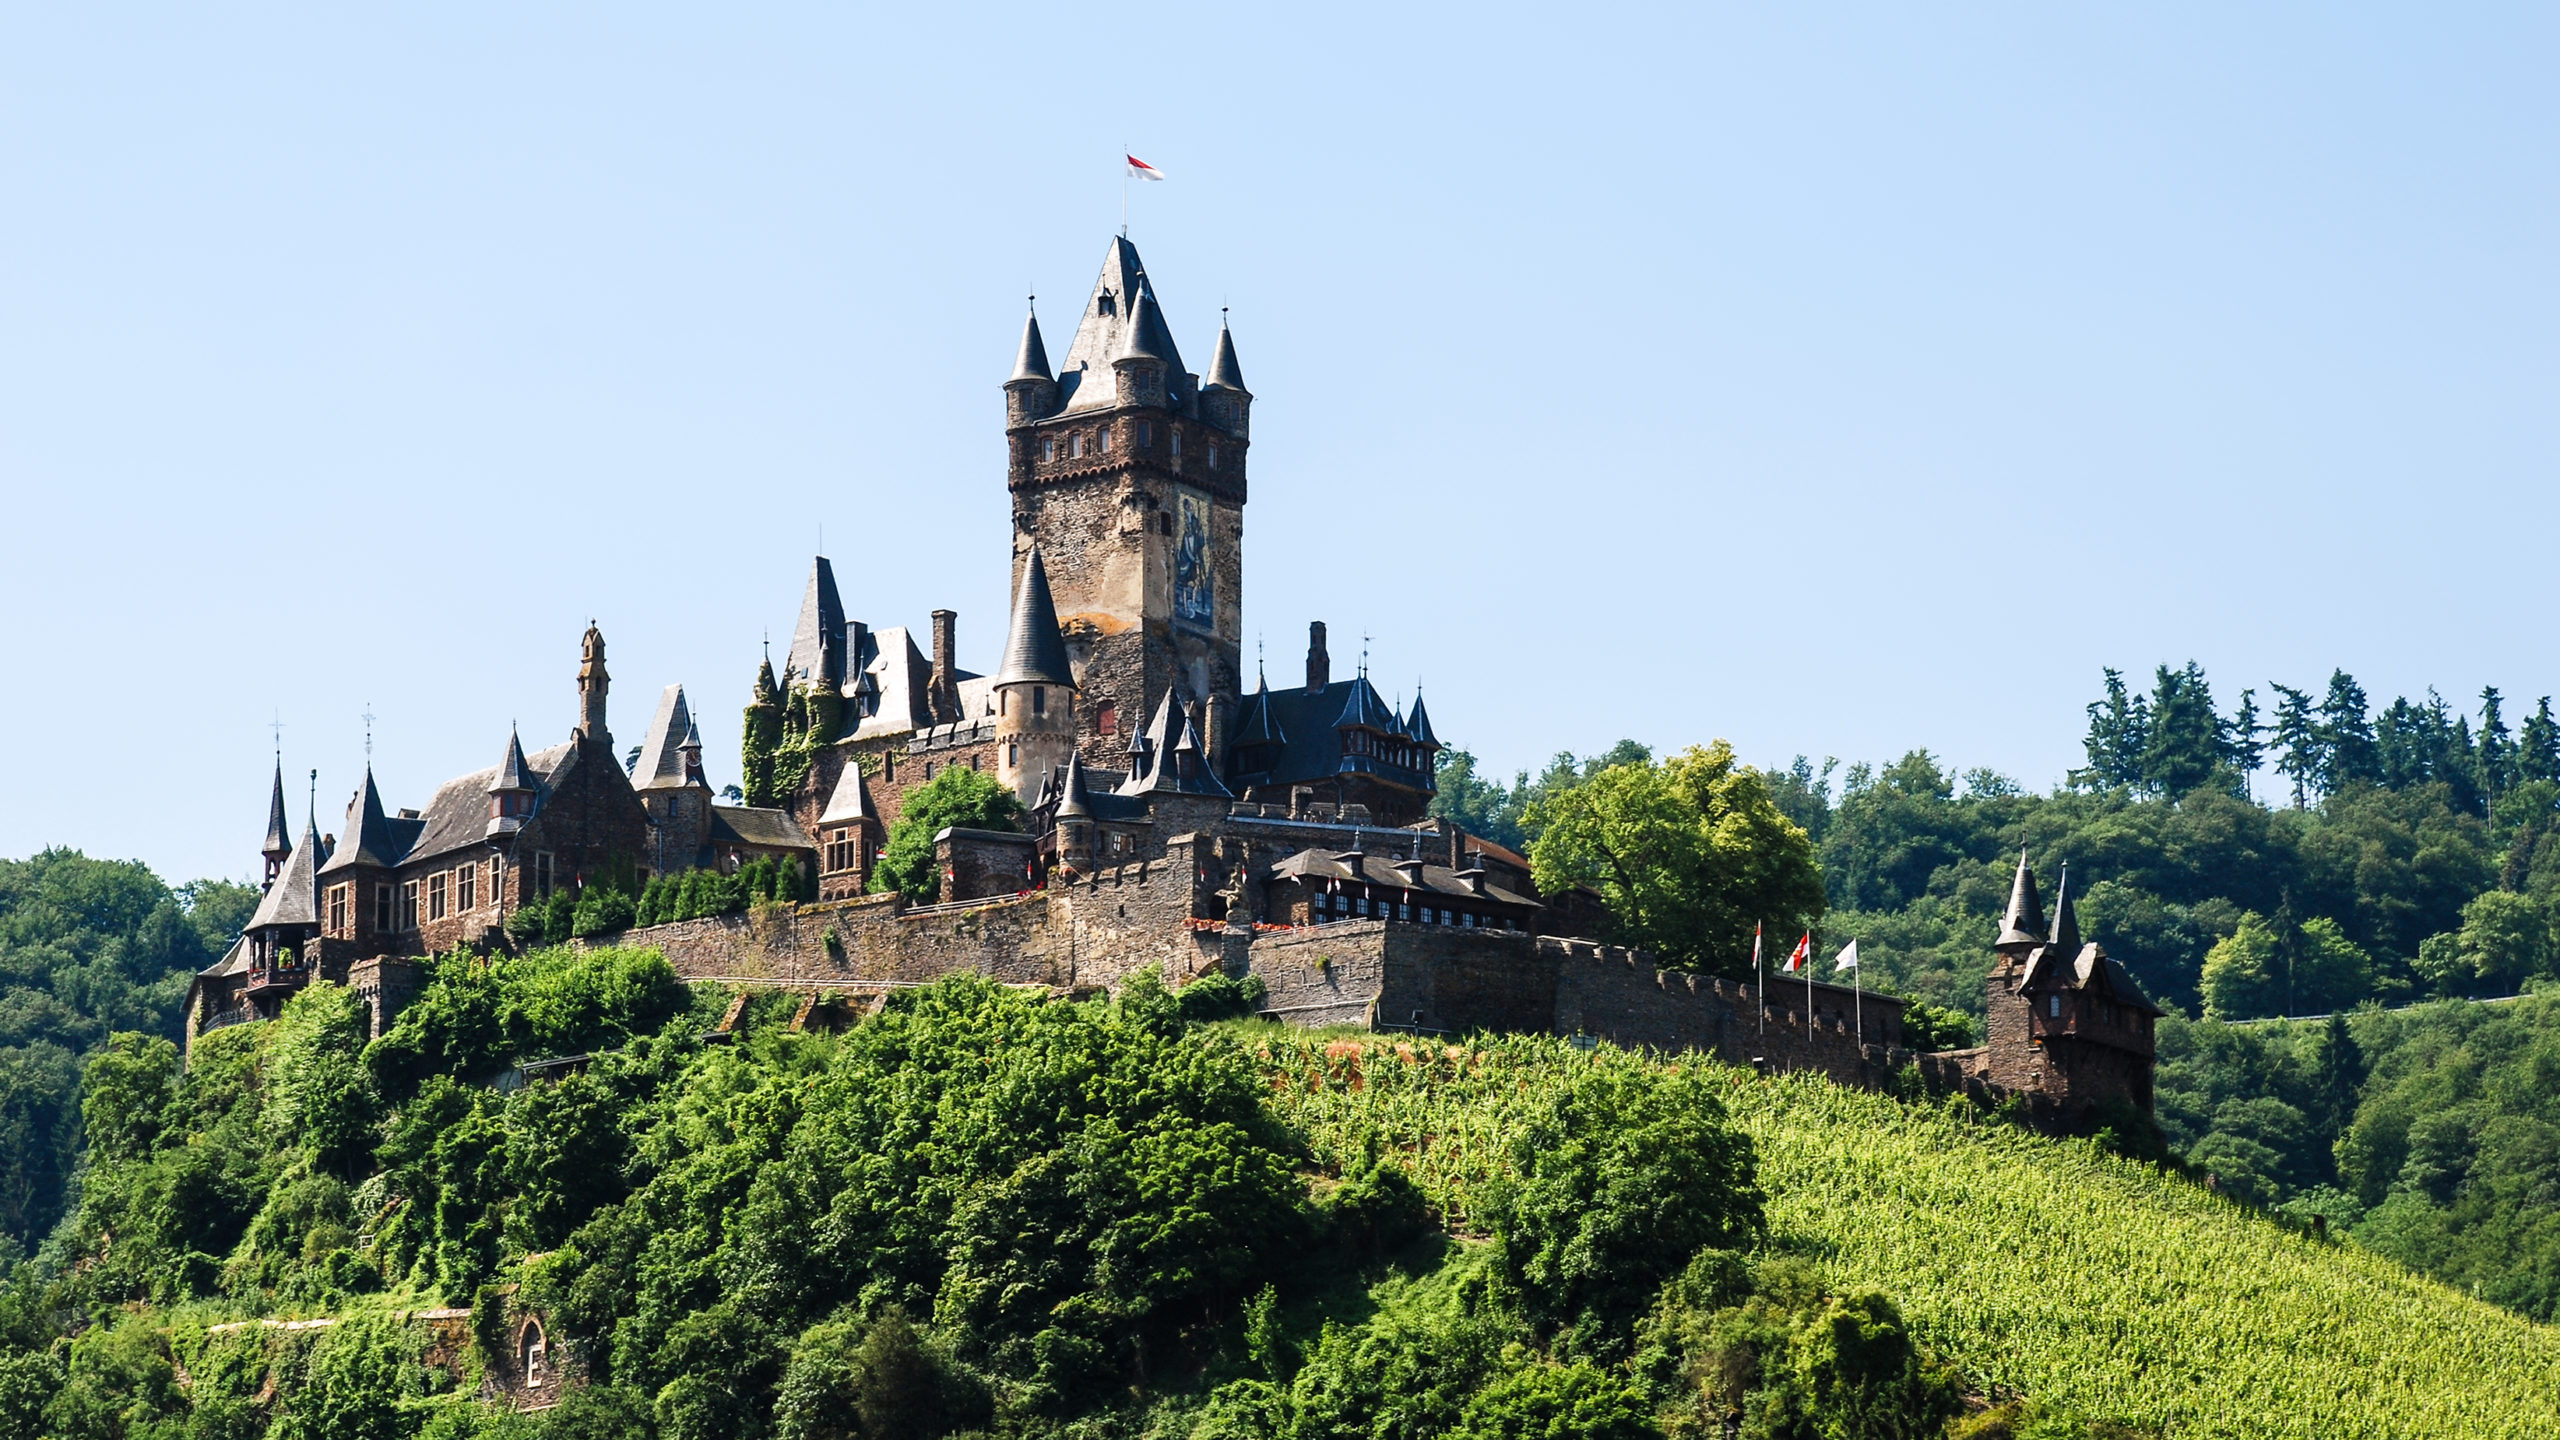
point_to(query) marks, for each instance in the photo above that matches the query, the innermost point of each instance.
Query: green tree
(1688, 854)
(1557, 1402)
(957, 797)
(2274, 967)
(319, 1096)
(2353, 756)
(2183, 744)
(2119, 735)
(2302, 750)
(2505, 937)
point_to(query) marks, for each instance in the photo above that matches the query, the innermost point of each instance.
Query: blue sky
(1831, 379)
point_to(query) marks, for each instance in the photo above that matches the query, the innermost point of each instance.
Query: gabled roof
(294, 898)
(279, 839)
(850, 802)
(372, 836)
(458, 817)
(1084, 379)
(1169, 758)
(1032, 362)
(817, 642)
(1224, 372)
(2024, 923)
(1034, 651)
(661, 763)
(757, 825)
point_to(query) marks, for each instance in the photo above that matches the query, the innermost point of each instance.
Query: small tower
(1075, 842)
(511, 791)
(1035, 691)
(593, 682)
(279, 846)
(1224, 402)
(1138, 369)
(1032, 393)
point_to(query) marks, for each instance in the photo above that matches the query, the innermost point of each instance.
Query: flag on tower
(1141, 169)
(1848, 959)
(1800, 956)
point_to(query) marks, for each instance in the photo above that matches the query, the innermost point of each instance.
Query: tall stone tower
(1128, 476)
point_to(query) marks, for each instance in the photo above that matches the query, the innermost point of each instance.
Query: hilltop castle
(1173, 818)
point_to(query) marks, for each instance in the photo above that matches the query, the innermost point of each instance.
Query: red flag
(1797, 958)
(1140, 169)
(1755, 947)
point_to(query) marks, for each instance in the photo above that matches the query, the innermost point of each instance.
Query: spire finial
(368, 734)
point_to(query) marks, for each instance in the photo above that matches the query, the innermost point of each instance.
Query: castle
(1172, 818)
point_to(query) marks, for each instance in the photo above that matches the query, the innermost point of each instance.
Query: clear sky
(1832, 379)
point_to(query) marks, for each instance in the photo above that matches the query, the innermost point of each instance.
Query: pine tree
(2119, 732)
(2346, 728)
(2242, 750)
(2497, 764)
(2302, 751)
(2338, 1080)
(2538, 749)
(2183, 747)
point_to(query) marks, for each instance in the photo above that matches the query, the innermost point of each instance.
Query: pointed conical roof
(294, 898)
(1224, 372)
(2066, 920)
(1363, 709)
(1138, 337)
(279, 841)
(1417, 724)
(1075, 798)
(817, 642)
(661, 759)
(767, 692)
(370, 837)
(1033, 361)
(851, 800)
(1259, 725)
(2024, 922)
(1151, 749)
(1108, 313)
(512, 774)
(1034, 652)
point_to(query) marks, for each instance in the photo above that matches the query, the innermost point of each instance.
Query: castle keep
(1175, 817)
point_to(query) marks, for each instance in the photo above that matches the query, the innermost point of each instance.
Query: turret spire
(2066, 921)
(279, 843)
(1034, 652)
(1224, 372)
(2023, 926)
(1033, 361)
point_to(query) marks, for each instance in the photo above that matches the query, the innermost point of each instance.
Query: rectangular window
(385, 919)
(1039, 699)
(1106, 439)
(1075, 446)
(436, 895)
(1404, 912)
(1049, 448)
(2054, 1006)
(338, 907)
(1173, 438)
(467, 888)
(408, 905)
(1213, 455)
(542, 874)
(1146, 434)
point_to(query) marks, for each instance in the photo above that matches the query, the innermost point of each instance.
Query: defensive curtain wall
(1094, 933)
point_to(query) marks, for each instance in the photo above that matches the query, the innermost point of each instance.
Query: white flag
(1848, 959)
(1140, 169)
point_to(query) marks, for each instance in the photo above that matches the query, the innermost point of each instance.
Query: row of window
(846, 850)
(1082, 442)
(399, 907)
(1345, 907)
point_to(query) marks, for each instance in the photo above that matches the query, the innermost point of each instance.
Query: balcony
(275, 980)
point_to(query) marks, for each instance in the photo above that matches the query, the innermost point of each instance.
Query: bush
(957, 796)
(1553, 1402)
(1621, 1180)
(600, 912)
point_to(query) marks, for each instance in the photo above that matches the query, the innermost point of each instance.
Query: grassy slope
(2038, 1266)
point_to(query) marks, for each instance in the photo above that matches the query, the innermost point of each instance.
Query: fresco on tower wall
(1195, 601)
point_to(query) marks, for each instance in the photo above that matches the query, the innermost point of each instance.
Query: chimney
(943, 692)
(1319, 664)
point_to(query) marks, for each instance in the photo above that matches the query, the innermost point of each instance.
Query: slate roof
(1034, 652)
(458, 817)
(818, 641)
(279, 832)
(372, 837)
(1224, 372)
(1100, 334)
(1320, 864)
(1167, 758)
(1417, 722)
(756, 825)
(295, 897)
(1312, 748)
(1033, 361)
(2024, 924)
(850, 801)
(661, 762)
(511, 773)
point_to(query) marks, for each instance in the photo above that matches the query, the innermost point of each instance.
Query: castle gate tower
(1128, 476)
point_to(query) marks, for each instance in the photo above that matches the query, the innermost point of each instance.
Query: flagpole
(1759, 977)
(1808, 987)
(1124, 193)
(1858, 996)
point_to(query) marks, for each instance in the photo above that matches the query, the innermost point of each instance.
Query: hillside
(2037, 1267)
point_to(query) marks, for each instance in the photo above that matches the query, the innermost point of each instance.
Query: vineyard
(2039, 1267)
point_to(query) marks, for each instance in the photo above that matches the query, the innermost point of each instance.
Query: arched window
(533, 1353)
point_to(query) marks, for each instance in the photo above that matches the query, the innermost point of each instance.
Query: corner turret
(1224, 401)
(2023, 928)
(1139, 368)
(1032, 392)
(593, 683)
(511, 792)
(279, 844)
(1035, 690)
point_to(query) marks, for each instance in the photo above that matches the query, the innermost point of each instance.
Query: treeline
(2417, 855)
(87, 948)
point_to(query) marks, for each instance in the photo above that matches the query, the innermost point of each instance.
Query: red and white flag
(1797, 957)
(1755, 947)
(1142, 170)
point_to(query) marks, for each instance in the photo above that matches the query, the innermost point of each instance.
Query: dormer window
(1103, 303)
